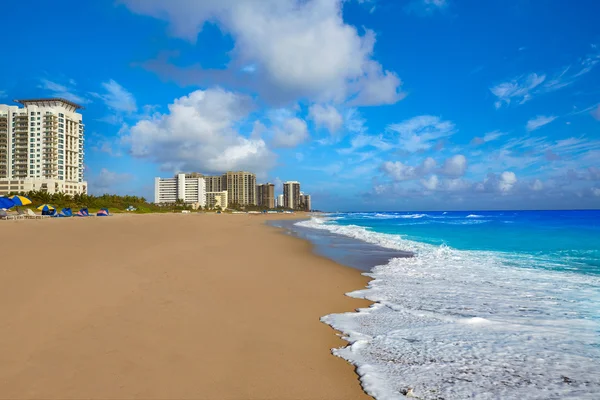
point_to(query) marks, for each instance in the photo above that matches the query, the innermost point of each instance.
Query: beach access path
(173, 306)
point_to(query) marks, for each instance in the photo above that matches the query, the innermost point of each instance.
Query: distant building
(291, 194)
(215, 183)
(41, 147)
(217, 199)
(279, 201)
(266, 195)
(305, 202)
(241, 187)
(188, 188)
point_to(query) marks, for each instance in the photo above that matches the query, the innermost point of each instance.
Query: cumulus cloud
(430, 183)
(502, 183)
(326, 116)
(421, 133)
(297, 48)
(198, 134)
(291, 133)
(539, 121)
(455, 166)
(399, 171)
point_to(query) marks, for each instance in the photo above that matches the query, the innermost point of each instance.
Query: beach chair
(22, 214)
(31, 214)
(6, 216)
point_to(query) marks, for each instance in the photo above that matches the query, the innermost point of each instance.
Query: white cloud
(420, 133)
(426, 7)
(523, 88)
(117, 98)
(62, 91)
(519, 89)
(488, 137)
(300, 48)
(326, 116)
(455, 166)
(291, 133)
(399, 171)
(596, 192)
(430, 183)
(537, 185)
(198, 134)
(539, 121)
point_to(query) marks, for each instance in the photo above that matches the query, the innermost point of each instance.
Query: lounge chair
(22, 214)
(5, 215)
(31, 214)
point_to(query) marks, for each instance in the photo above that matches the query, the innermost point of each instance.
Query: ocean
(492, 304)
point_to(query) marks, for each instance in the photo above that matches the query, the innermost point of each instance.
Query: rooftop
(49, 100)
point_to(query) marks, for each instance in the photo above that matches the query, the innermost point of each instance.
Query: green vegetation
(113, 202)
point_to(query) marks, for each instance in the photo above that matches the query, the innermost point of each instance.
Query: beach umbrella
(45, 207)
(6, 203)
(20, 200)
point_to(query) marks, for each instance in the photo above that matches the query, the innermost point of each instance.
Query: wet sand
(199, 306)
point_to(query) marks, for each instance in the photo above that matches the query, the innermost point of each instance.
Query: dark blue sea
(493, 304)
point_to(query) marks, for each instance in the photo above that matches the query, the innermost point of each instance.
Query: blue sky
(370, 104)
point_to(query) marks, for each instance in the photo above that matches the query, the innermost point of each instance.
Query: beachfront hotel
(279, 202)
(265, 194)
(41, 147)
(187, 188)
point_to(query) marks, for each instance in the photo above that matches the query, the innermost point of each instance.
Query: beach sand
(173, 306)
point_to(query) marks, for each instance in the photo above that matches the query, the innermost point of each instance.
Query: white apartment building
(189, 188)
(41, 147)
(279, 201)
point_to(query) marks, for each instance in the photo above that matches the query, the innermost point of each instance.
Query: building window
(61, 115)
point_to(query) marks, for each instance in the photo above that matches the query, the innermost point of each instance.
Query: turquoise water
(493, 305)
(563, 239)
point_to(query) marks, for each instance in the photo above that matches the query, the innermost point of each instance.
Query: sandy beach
(172, 306)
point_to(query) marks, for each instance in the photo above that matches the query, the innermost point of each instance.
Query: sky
(370, 104)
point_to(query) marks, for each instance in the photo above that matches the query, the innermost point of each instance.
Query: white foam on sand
(470, 325)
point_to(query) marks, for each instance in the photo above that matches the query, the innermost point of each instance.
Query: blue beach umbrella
(20, 200)
(6, 203)
(45, 207)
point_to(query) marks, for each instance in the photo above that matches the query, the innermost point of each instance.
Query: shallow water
(505, 308)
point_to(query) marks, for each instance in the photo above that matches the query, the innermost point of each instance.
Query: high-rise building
(279, 201)
(241, 187)
(216, 183)
(291, 194)
(188, 188)
(305, 202)
(266, 195)
(41, 147)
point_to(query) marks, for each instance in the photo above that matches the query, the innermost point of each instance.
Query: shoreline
(160, 307)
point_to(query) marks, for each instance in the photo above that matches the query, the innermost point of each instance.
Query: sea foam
(452, 324)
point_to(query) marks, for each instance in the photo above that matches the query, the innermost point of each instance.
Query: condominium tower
(187, 188)
(241, 187)
(41, 147)
(305, 202)
(291, 194)
(266, 195)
